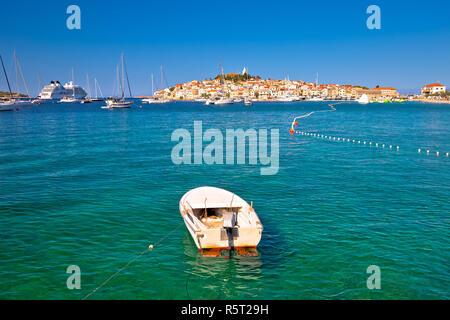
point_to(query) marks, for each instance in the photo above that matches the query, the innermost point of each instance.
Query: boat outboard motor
(229, 222)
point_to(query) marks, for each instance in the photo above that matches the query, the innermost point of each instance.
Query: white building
(433, 88)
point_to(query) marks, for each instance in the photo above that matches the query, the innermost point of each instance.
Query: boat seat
(229, 219)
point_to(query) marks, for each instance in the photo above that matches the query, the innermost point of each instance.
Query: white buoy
(382, 146)
(428, 151)
(364, 142)
(359, 141)
(398, 147)
(446, 154)
(376, 144)
(348, 140)
(418, 150)
(437, 153)
(353, 141)
(339, 139)
(370, 142)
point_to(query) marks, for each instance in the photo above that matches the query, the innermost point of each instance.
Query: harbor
(95, 188)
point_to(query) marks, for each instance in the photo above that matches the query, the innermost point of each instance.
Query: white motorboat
(223, 101)
(220, 220)
(287, 99)
(69, 100)
(315, 99)
(155, 100)
(248, 102)
(7, 106)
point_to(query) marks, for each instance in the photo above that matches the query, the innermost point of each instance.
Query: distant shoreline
(432, 101)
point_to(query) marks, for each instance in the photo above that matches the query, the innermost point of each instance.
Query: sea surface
(80, 185)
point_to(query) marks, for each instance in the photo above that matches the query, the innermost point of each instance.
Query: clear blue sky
(274, 39)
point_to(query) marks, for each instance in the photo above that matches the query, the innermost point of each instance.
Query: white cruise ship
(57, 91)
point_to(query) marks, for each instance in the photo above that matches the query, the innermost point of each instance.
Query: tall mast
(152, 85)
(123, 80)
(6, 76)
(40, 82)
(95, 85)
(17, 73)
(73, 82)
(89, 89)
(21, 74)
(162, 78)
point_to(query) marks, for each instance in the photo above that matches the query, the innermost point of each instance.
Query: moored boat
(115, 103)
(220, 220)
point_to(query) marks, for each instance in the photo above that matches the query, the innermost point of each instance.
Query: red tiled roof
(433, 85)
(384, 88)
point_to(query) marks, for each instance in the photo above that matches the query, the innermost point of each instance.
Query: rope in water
(294, 122)
(333, 138)
(131, 261)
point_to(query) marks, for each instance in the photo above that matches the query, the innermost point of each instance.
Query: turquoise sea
(84, 186)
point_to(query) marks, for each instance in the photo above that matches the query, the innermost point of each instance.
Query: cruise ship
(57, 91)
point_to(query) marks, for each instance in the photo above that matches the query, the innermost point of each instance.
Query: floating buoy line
(150, 248)
(350, 140)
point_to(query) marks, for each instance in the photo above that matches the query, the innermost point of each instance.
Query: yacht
(115, 103)
(287, 99)
(248, 102)
(315, 98)
(223, 101)
(7, 105)
(155, 100)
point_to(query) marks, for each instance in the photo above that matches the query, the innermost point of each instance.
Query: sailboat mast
(123, 80)
(95, 85)
(40, 82)
(6, 76)
(152, 85)
(73, 82)
(17, 73)
(21, 74)
(162, 78)
(89, 89)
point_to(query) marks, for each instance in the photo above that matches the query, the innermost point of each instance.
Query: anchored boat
(220, 220)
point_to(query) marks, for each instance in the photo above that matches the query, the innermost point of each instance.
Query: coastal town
(242, 85)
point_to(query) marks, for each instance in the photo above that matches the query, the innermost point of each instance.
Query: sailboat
(154, 99)
(7, 105)
(88, 99)
(71, 99)
(220, 99)
(96, 94)
(114, 103)
(364, 99)
(21, 101)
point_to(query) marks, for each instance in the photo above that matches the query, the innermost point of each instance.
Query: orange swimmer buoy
(295, 123)
(291, 131)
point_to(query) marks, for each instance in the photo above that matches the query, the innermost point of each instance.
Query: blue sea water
(84, 186)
